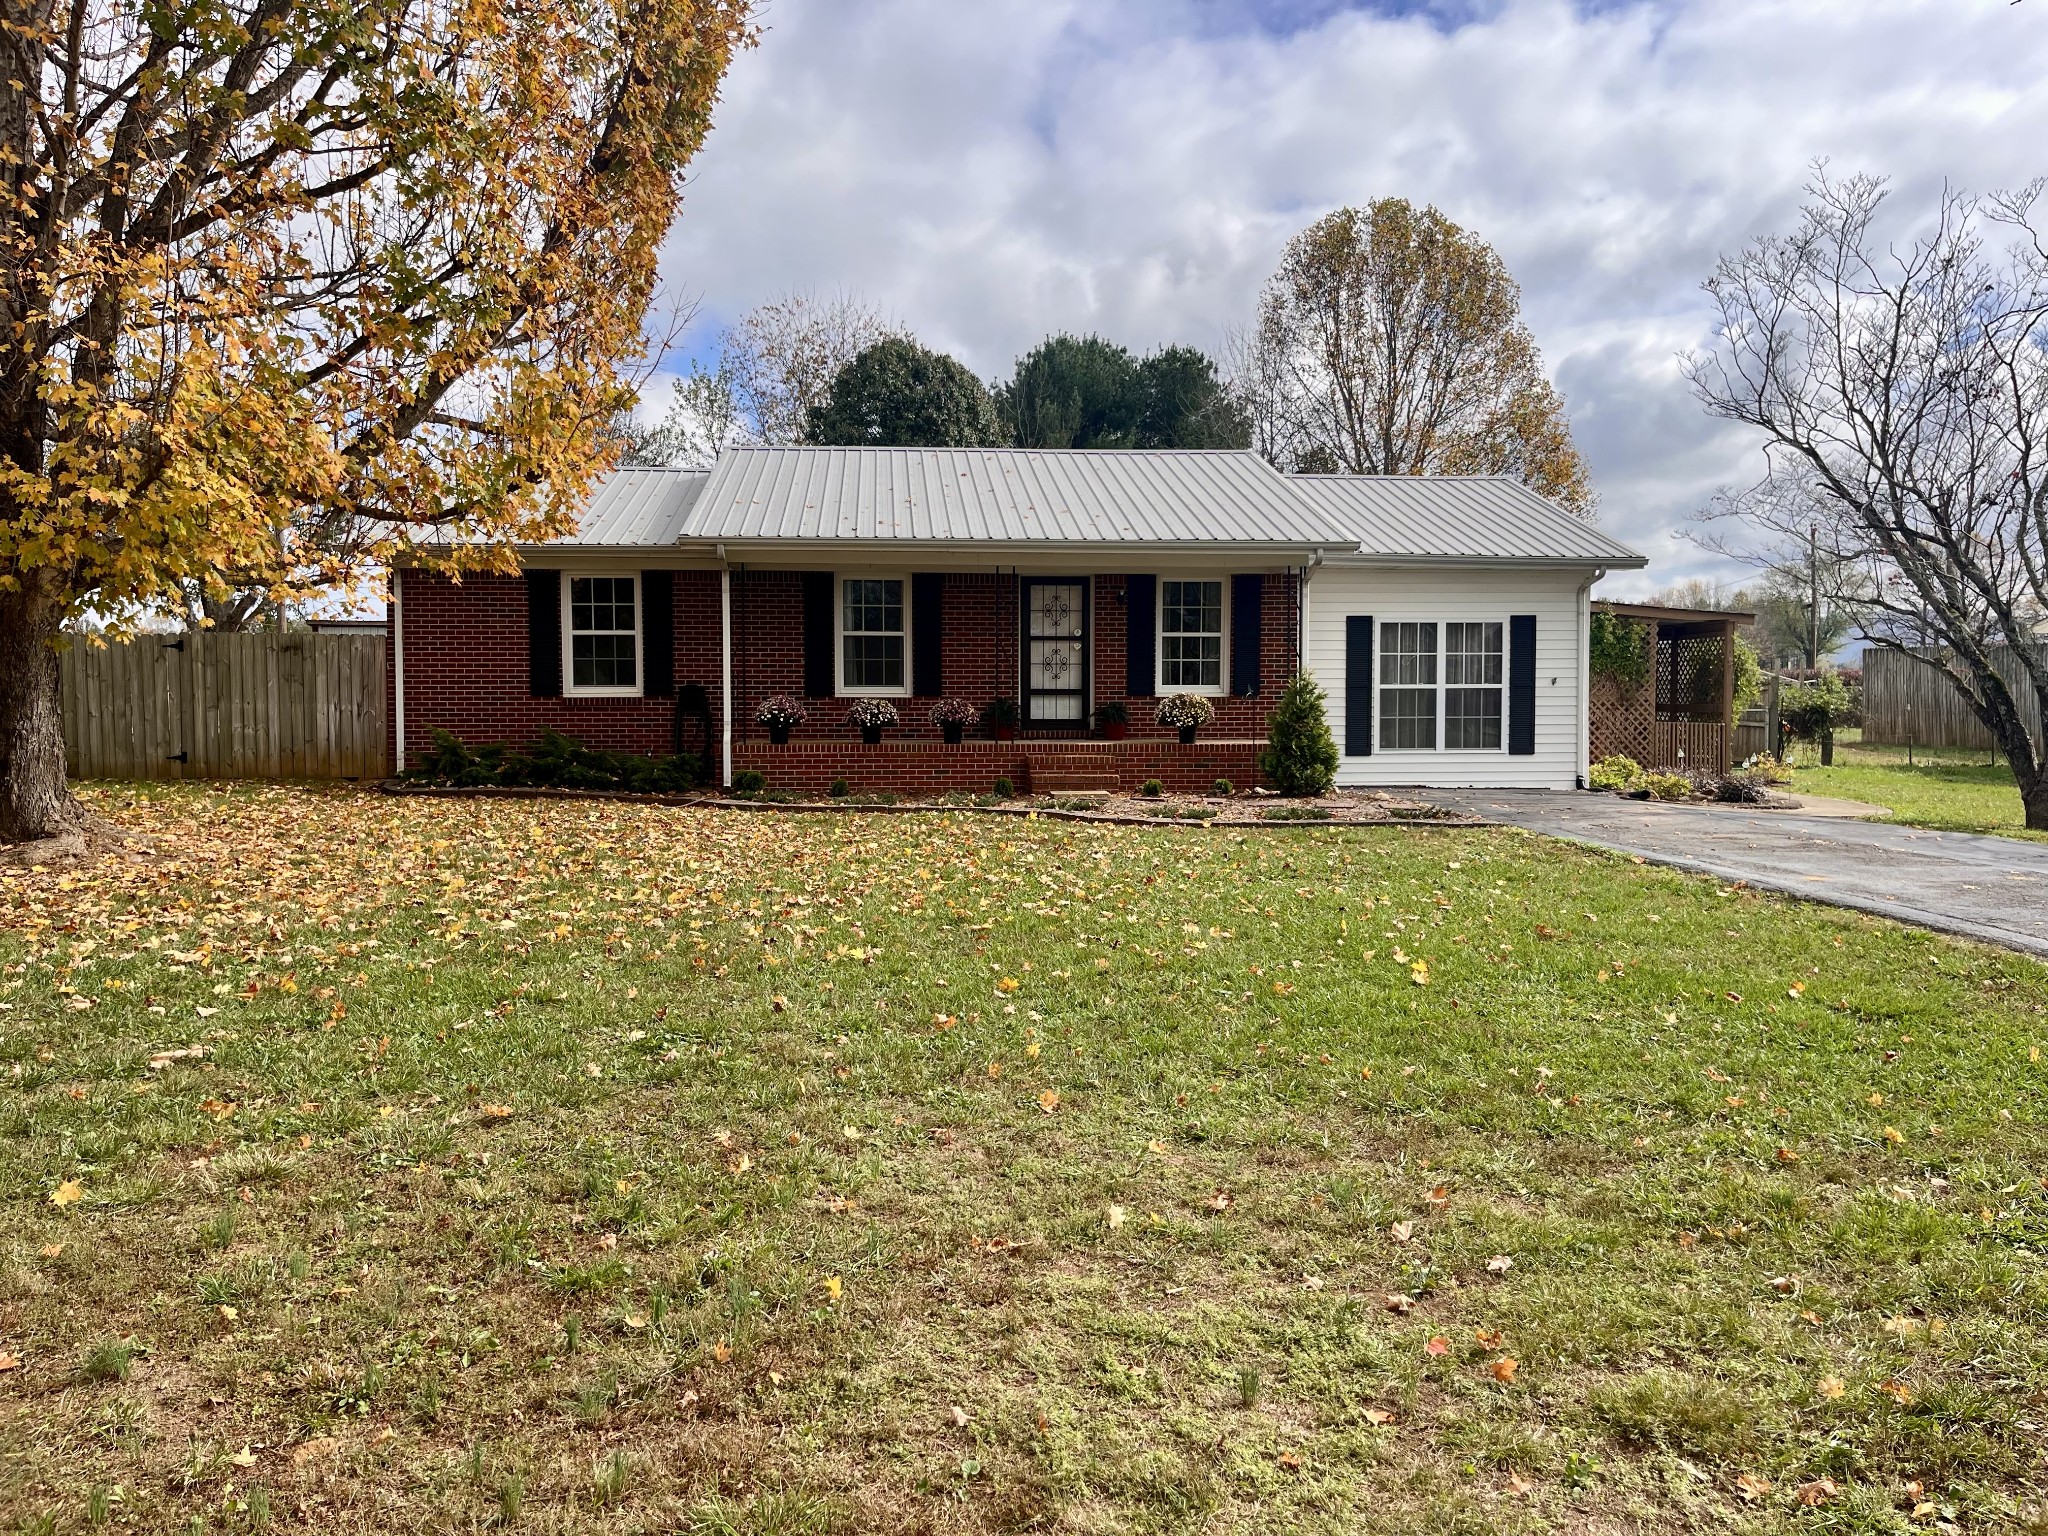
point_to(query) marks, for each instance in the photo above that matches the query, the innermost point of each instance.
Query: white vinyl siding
(1455, 601)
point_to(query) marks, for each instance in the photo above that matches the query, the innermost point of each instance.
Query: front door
(1056, 651)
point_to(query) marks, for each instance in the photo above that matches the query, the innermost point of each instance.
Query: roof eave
(1630, 562)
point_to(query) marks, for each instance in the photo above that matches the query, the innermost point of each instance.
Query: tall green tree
(898, 394)
(291, 290)
(1089, 392)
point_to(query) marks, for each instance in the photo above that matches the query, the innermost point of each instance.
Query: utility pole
(1813, 597)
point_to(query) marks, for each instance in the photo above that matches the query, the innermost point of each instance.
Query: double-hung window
(1472, 686)
(1191, 636)
(1447, 695)
(604, 634)
(1408, 687)
(871, 634)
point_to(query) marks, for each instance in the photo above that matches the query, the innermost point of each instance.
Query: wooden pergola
(1683, 715)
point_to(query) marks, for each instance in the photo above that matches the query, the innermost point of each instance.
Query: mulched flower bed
(1345, 808)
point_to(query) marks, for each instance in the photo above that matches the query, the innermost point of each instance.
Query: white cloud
(992, 170)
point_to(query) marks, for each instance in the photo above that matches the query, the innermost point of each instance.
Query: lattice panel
(1688, 677)
(1622, 720)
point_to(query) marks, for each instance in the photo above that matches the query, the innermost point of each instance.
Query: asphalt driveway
(1994, 889)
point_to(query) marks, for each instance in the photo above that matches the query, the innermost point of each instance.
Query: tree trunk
(2033, 795)
(35, 801)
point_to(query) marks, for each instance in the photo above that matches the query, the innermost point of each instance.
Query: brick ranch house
(1446, 618)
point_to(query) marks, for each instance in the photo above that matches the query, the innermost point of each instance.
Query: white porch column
(398, 667)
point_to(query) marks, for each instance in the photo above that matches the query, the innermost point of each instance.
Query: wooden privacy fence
(1910, 701)
(205, 706)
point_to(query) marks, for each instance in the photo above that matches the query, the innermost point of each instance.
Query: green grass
(1948, 788)
(577, 1167)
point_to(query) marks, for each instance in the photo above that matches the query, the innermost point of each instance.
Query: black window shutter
(1246, 631)
(1141, 596)
(658, 634)
(821, 669)
(1522, 685)
(927, 635)
(544, 634)
(1358, 685)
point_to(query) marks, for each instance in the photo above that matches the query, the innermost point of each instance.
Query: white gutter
(398, 664)
(725, 662)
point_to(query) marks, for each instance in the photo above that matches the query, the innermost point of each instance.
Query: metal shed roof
(640, 508)
(1459, 518)
(1008, 496)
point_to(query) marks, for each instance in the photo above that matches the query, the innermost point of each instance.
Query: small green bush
(1668, 786)
(1004, 788)
(1151, 789)
(1294, 813)
(1617, 772)
(554, 762)
(1301, 754)
(838, 790)
(1223, 787)
(749, 781)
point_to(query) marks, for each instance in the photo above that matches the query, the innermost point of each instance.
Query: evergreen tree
(897, 394)
(1301, 754)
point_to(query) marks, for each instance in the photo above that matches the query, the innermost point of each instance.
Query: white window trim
(1221, 690)
(1379, 713)
(839, 686)
(569, 685)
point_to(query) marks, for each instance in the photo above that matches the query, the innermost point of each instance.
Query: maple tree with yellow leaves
(291, 289)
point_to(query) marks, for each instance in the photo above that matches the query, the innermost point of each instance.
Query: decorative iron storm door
(1056, 651)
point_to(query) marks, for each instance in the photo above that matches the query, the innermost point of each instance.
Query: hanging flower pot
(781, 712)
(951, 716)
(1186, 713)
(870, 715)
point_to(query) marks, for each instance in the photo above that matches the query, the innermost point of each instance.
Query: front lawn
(411, 1165)
(1949, 788)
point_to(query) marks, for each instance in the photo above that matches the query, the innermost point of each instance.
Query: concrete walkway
(1994, 889)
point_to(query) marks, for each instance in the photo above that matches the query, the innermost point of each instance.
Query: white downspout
(1301, 641)
(725, 660)
(398, 664)
(1585, 677)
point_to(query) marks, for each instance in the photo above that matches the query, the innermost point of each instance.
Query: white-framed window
(1473, 676)
(601, 634)
(1191, 630)
(874, 635)
(1440, 685)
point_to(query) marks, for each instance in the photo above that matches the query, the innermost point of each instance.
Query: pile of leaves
(554, 762)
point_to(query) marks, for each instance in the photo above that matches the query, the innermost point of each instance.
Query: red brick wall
(466, 670)
(466, 666)
(972, 767)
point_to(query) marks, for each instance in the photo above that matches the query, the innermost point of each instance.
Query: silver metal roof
(1459, 518)
(1007, 496)
(640, 508)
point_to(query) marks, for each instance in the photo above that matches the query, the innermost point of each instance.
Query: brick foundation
(921, 768)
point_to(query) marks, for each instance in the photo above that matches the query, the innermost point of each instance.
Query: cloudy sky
(989, 171)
